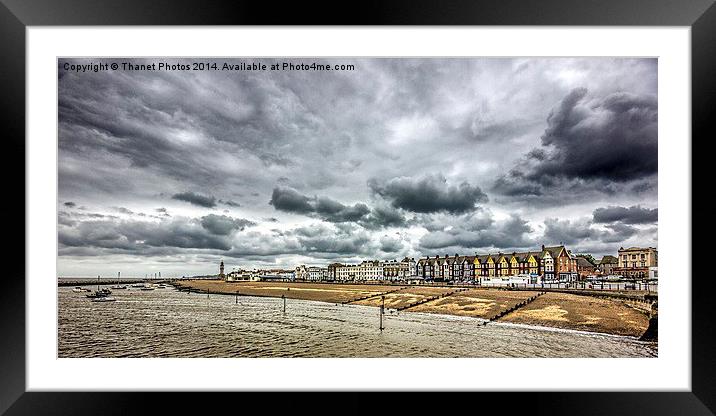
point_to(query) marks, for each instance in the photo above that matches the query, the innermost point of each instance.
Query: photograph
(357, 207)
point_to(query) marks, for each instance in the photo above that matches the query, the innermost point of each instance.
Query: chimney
(542, 247)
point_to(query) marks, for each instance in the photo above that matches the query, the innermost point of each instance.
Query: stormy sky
(173, 171)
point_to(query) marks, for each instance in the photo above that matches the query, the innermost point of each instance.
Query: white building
(654, 272)
(517, 280)
(241, 276)
(316, 274)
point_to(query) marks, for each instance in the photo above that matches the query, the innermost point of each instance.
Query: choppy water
(169, 323)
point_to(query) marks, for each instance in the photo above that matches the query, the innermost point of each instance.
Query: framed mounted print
(283, 208)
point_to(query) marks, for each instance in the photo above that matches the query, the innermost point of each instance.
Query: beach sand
(478, 303)
(560, 310)
(405, 297)
(584, 313)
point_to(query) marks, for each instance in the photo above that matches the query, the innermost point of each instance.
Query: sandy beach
(558, 310)
(584, 313)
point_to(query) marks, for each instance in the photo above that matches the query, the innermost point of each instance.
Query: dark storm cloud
(619, 233)
(139, 236)
(196, 199)
(224, 225)
(70, 204)
(632, 215)
(334, 211)
(327, 209)
(581, 231)
(290, 200)
(508, 234)
(569, 232)
(381, 217)
(428, 194)
(590, 140)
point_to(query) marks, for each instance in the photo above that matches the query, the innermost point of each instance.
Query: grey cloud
(70, 204)
(632, 215)
(581, 231)
(382, 216)
(503, 130)
(224, 225)
(290, 200)
(569, 232)
(428, 194)
(327, 209)
(338, 240)
(139, 236)
(196, 199)
(597, 140)
(613, 138)
(508, 234)
(390, 244)
(478, 220)
(620, 232)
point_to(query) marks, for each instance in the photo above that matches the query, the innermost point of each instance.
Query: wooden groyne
(372, 296)
(430, 299)
(514, 307)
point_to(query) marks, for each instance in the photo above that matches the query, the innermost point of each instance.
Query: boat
(103, 293)
(78, 289)
(99, 293)
(138, 285)
(147, 287)
(103, 299)
(119, 287)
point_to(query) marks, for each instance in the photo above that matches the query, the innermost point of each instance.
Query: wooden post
(284, 303)
(382, 310)
(237, 297)
(207, 293)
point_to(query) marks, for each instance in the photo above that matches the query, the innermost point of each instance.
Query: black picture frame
(16, 15)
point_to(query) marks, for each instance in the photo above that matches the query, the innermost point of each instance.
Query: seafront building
(607, 265)
(637, 262)
(311, 273)
(585, 268)
(551, 264)
(546, 265)
(258, 275)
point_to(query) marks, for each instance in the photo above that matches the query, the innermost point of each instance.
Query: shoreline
(550, 310)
